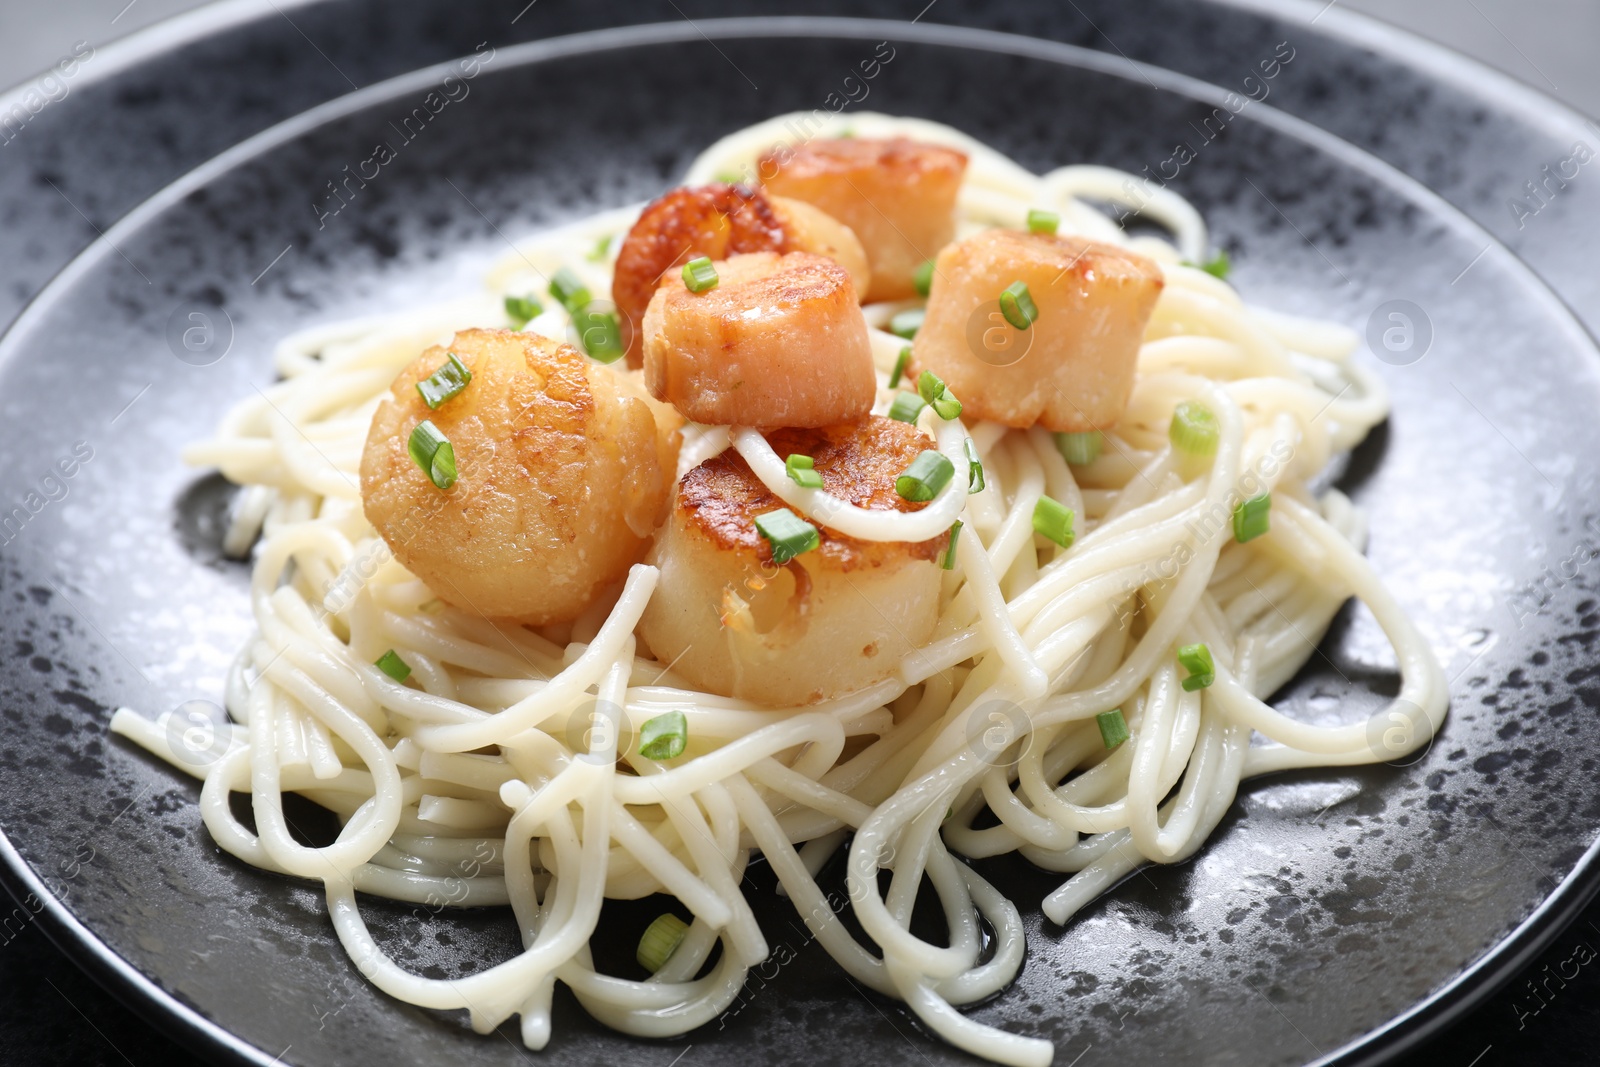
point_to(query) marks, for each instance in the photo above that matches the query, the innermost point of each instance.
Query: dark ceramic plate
(1333, 913)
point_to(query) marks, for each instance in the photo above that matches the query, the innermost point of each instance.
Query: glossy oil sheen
(1328, 903)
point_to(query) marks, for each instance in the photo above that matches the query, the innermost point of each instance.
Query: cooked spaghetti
(1089, 662)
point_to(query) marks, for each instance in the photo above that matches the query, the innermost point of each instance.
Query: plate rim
(1401, 1033)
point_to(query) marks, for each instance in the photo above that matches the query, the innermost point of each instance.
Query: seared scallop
(718, 221)
(810, 229)
(563, 469)
(711, 220)
(897, 196)
(831, 620)
(1072, 368)
(779, 341)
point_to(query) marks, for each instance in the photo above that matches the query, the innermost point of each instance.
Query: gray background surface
(1550, 44)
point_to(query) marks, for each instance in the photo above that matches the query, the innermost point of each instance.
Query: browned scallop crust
(765, 281)
(780, 341)
(859, 462)
(807, 228)
(825, 158)
(716, 220)
(897, 195)
(1076, 365)
(564, 468)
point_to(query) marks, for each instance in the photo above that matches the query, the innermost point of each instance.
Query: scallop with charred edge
(711, 220)
(832, 620)
(718, 221)
(1073, 369)
(780, 341)
(564, 469)
(897, 196)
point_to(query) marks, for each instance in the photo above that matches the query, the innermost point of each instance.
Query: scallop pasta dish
(866, 498)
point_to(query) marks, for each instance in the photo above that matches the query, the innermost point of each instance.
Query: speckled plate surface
(1334, 913)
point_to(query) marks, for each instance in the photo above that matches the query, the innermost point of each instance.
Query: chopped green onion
(444, 383)
(1217, 266)
(907, 323)
(900, 366)
(1079, 449)
(523, 309)
(906, 407)
(600, 334)
(664, 736)
(601, 247)
(391, 664)
(949, 563)
(975, 481)
(932, 389)
(1017, 305)
(599, 331)
(1196, 659)
(661, 939)
(729, 177)
(930, 472)
(569, 291)
(1194, 429)
(922, 278)
(802, 471)
(1250, 519)
(1054, 519)
(1113, 727)
(789, 533)
(699, 275)
(1042, 221)
(434, 453)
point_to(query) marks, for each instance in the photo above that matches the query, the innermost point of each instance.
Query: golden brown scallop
(564, 469)
(715, 220)
(718, 221)
(897, 196)
(810, 229)
(780, 341)
(1073, 369)
(831, 621)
